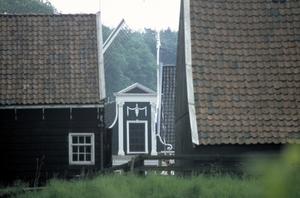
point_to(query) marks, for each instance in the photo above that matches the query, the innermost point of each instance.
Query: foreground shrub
(16, 188)
(280, 176)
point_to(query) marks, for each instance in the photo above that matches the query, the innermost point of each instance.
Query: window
(137, 137)
(81, 148)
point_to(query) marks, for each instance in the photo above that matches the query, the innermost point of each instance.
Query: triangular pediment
(136, 88)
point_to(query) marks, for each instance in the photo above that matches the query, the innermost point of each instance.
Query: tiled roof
(48, 59)
(246, 71)
(167, 107)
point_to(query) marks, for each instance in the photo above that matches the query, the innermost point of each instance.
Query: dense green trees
(168, 46)
(168, 39)
(131, 58)
(26, 6)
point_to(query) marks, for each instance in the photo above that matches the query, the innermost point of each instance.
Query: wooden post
(132, 165)
(141, 165)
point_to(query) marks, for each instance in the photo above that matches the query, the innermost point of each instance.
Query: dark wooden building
(238, 78)
(52, 97)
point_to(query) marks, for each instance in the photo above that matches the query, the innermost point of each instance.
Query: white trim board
(135, 85)
(189, 73)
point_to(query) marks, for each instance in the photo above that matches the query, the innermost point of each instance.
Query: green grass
(16, 188)
(151, 186)
(159, 186)
(278, 178)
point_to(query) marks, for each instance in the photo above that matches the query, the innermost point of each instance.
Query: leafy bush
(281, 175)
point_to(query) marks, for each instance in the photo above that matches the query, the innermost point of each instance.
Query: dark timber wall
(30, 138)
(183, 140)
(236, 149)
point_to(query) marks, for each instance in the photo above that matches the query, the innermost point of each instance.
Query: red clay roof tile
(246, 57)
(48, 59)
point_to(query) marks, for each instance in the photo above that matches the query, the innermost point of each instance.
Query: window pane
(136, 140)
(75, 157)
(81, 149)
(75, 149)
(140, 147)
(131, 147)
(88, 149)
(75, 139)
(141, 140)
(88, 139)
(137, 137)
(81, 139)
(131, 126)
(88, 157)
(142, 126)
(136, 126)
(81, 157)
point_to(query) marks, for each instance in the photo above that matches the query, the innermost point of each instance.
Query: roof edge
(189, 72)
(44, 14)
(56, 106)
(135, 85)
(100, 57)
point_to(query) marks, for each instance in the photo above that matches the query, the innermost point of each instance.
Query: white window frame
(92, 144)
(146, 136)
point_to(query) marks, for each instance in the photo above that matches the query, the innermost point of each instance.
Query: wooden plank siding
(28, 135)
(181, 111)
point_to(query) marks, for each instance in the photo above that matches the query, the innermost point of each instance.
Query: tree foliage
(168, 46)
(133, 59)
(168, 40)
(26, 7)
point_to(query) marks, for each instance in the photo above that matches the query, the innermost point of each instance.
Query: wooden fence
(200, 163)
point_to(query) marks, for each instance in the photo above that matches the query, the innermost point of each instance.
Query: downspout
(102, 94)
(159, 99)
(102, 130)
(159, 83)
